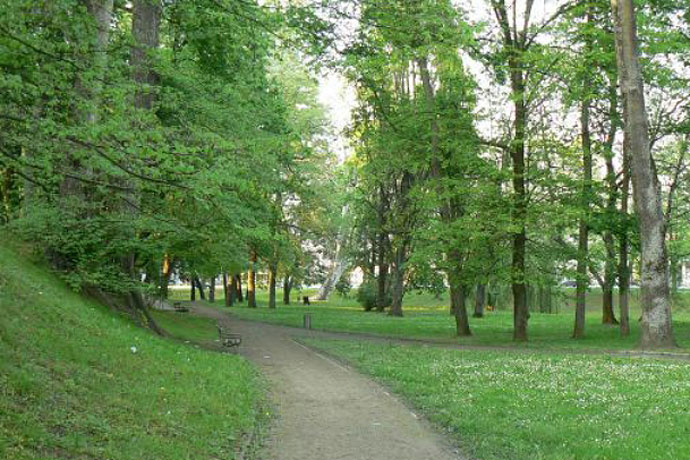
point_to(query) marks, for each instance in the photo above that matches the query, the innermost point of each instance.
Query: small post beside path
(307, 320)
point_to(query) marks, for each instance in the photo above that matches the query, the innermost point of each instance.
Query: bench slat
(229, 339)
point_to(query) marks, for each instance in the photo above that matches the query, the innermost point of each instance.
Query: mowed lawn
(517, 406)
(427, 317)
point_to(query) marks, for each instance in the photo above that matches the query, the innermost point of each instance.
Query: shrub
(367, 293)
(343, 287)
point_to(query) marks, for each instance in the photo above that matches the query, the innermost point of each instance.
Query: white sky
(339, 98)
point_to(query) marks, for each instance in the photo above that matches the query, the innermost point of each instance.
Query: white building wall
(685, 274)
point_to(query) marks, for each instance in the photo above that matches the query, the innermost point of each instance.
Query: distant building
(685, 274)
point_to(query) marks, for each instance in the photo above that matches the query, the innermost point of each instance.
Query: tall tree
(515, 43)
(657, 329)
(583, 235)
(251, 280)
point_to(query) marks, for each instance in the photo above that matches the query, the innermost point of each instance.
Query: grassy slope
(522, 407)
(72, 387)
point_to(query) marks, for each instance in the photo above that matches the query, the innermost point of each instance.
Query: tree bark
(608, 316)
(192, 292)
(583, 236)
(397, 283)
(200, 287)
(339, 265)
(657, 328)
(515, 44)
(448, 209)
(212, 290)
(518, 266)
(623, 264)
(382, 278)
(145, 25)
(287, 287)
(251, 281)
(457, 301)
(228, 290)
(146, 18)
(480, 301)
(272, 273)
(674, 266)
(238, 287)
(166, 272)
(89, 86)
(545, 299)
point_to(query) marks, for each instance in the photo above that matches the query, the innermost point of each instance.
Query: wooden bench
(179, 308)
(228, 339)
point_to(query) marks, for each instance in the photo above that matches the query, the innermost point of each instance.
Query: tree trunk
(518, 267)
(89, 85)
(397, 284)
(146, 18)
(457, 301)
(200, 287)
(519, 214)
(657, 328)
(545, 299)
(334, 275)
(6, 191)
(402, 246)
(238, 287)
(480, 301)
(212, 290)
(447, 211)
(583, 236)
(145, 25)
(251, 282)
(623, 264)
(272, 269)
(381, 280)
(340, 263)
(372, 258)
(165, 279)
(287, 287)
(228, 290)
(192, 292)
(674, 265)
(608, 316)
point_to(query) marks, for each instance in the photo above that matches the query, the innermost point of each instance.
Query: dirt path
(327, 411)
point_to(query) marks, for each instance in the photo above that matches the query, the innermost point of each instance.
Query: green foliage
(367, 295)
(203, 176)
(343, 286)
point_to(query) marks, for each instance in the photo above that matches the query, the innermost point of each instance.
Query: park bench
(179, 308)
(227, 338)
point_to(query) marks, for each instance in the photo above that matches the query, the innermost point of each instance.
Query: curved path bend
(327, 411)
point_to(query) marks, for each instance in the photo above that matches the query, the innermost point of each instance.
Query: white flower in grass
(133, 348)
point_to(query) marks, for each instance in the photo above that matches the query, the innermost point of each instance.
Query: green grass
(185, 326)
(427, 318)
(521, 406)
(77, 381)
